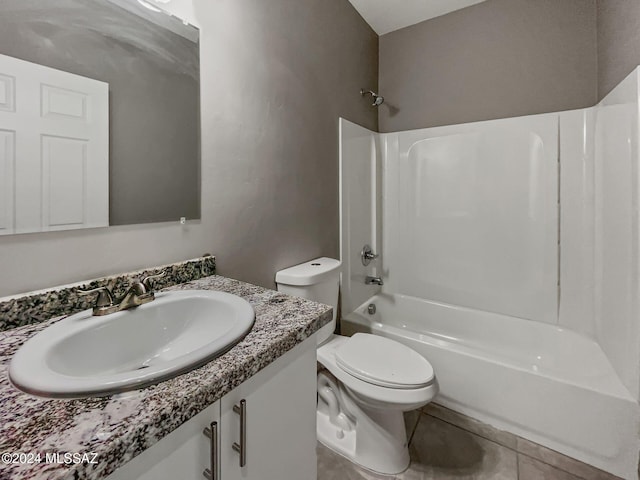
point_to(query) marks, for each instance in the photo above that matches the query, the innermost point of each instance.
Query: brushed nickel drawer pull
(242, 447)
(211, 432)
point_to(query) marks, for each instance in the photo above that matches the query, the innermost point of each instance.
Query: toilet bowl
(372, 400)
(368, 383)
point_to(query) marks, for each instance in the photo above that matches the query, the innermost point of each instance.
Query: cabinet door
(183, 454)
(280, 421)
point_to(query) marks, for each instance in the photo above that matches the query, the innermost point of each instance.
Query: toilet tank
(317, 280)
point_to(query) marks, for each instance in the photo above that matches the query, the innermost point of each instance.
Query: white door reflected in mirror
(54, 149)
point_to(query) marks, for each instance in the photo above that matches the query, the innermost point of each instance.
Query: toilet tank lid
(309, 273)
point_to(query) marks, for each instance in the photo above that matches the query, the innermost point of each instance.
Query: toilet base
(375, 439)
(382, 462)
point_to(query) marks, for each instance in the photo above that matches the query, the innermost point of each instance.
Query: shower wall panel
(617, 228)
(359, 212)
(471, 215)
(577, 221)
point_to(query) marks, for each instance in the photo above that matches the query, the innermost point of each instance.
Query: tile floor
(446, 445)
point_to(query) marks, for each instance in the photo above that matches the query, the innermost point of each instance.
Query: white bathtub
(544, 383)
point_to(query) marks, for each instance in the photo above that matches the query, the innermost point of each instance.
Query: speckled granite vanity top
(119, 427)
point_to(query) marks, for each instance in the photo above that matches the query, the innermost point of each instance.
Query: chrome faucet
(138, 293)
(366, 255)
(373, 280)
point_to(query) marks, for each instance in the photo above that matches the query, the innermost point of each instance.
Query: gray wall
(276, 76)
(618, 42)
(499, 58)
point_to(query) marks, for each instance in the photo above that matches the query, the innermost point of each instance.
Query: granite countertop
(117, 428)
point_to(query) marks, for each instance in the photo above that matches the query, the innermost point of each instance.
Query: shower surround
(509, 253)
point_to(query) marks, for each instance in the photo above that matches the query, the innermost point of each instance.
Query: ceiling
(385, 16)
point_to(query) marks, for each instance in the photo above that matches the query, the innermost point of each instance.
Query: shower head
(377, 99)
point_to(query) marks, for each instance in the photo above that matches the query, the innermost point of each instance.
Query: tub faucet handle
(366, 255)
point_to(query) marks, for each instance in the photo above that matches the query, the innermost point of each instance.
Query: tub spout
(373, 281)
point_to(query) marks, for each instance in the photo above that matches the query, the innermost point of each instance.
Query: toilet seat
(383, 362)
(374, 395)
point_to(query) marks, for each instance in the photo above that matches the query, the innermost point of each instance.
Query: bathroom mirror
(114, 126)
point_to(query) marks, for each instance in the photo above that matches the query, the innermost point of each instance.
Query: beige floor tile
(447, 445)
(562, 462)
(474, 426)
(443, 451)
(332, 466)
(531, 469)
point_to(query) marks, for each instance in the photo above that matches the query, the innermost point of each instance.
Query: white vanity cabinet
(280, 406)
(279, 441)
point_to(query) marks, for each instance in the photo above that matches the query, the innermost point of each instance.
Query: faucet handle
(105, 297)
(366, 255)
(146, 281)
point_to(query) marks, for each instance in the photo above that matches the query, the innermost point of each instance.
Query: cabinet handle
(242, 447)
(211, 432)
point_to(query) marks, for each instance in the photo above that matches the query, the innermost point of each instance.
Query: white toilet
(372, 379)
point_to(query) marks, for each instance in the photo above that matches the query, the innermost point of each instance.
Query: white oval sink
(85, 355)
